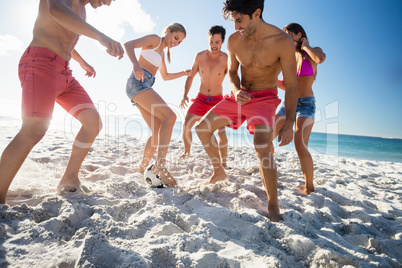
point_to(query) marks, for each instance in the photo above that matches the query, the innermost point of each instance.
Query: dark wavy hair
(217, 30)
(296, 28)
(247, 7)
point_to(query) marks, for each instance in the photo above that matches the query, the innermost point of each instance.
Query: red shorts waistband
(209, 98)
(262, 93)
(45, 52)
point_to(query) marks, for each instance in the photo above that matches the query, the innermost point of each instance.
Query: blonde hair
(174, 27)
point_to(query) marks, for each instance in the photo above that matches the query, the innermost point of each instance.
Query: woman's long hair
(174, 27)
(297, 28)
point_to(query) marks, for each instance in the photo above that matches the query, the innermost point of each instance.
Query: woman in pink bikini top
(307, 59)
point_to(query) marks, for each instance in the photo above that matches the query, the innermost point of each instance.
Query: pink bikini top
(306, 69)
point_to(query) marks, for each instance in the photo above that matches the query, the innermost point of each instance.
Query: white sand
(353, 219)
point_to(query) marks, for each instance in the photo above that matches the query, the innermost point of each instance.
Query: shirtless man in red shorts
(263, 51)
(46, 78)
(212, 66)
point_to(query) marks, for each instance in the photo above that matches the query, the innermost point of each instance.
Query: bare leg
(152, 144)
(262, 144)
(32, 131)
(189, 122)
(91, 126)
(223, 146)
(205, 131)
(150, 101)
(304, 126)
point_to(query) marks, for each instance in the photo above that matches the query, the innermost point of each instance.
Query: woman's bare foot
(165, 176)
(185, 155)
(302, 190)
(68, 185)
(219, 175)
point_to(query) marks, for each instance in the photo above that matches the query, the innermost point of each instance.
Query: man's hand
(90, 71)
(114, 48)
(188, 72)
(183, 103)
(242, 97)
(285, 135)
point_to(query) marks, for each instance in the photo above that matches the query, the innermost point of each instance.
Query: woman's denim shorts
(135, 86)
(305, 108)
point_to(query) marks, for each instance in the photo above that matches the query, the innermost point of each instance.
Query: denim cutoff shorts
(135, 86)
(305, 108)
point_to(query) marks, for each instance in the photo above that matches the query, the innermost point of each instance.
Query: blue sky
(358, 88)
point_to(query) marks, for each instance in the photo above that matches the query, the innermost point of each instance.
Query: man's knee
(33, 136)
(202, 127)
(33, 130)
(90, 120)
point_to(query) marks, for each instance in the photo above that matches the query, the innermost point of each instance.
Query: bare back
(48, 33)
(259, 57)
(212, 70)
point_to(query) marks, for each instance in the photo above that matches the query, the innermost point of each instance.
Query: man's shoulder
(276, 33)
(234, 36)
(201, 54)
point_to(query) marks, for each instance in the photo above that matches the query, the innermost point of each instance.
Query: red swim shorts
(45, 78)
(202, 104)
(259, 110)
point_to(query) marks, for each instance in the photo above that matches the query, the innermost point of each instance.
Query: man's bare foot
(68, 185)
(302, 190)
(165, 176)
(219, 175)
(274, 215)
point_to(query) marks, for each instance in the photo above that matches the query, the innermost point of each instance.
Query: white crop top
(152, 56)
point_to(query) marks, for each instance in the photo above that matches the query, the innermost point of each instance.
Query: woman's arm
(316, 53)
(143, 42)
(281, 85)
(170, 76)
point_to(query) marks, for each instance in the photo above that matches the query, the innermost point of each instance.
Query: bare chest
(212, 67)
(257, 55)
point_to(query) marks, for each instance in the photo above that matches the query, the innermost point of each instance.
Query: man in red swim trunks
(46, 78)
(263, 51)
(211, 65)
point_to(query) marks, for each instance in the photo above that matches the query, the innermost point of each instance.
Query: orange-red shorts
(202, 104)
(259, 110)
(45, 78)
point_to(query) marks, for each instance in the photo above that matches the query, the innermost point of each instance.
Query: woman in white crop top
(159, 117)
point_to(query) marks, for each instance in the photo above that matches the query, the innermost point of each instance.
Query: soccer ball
(151, 178)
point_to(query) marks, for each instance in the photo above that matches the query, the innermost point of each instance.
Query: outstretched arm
(90, 71)
(170, 76)
(61, 11)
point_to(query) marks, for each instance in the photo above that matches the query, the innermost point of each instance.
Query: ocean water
(359, 147)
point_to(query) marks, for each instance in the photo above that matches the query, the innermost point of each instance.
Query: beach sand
(353, 219)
